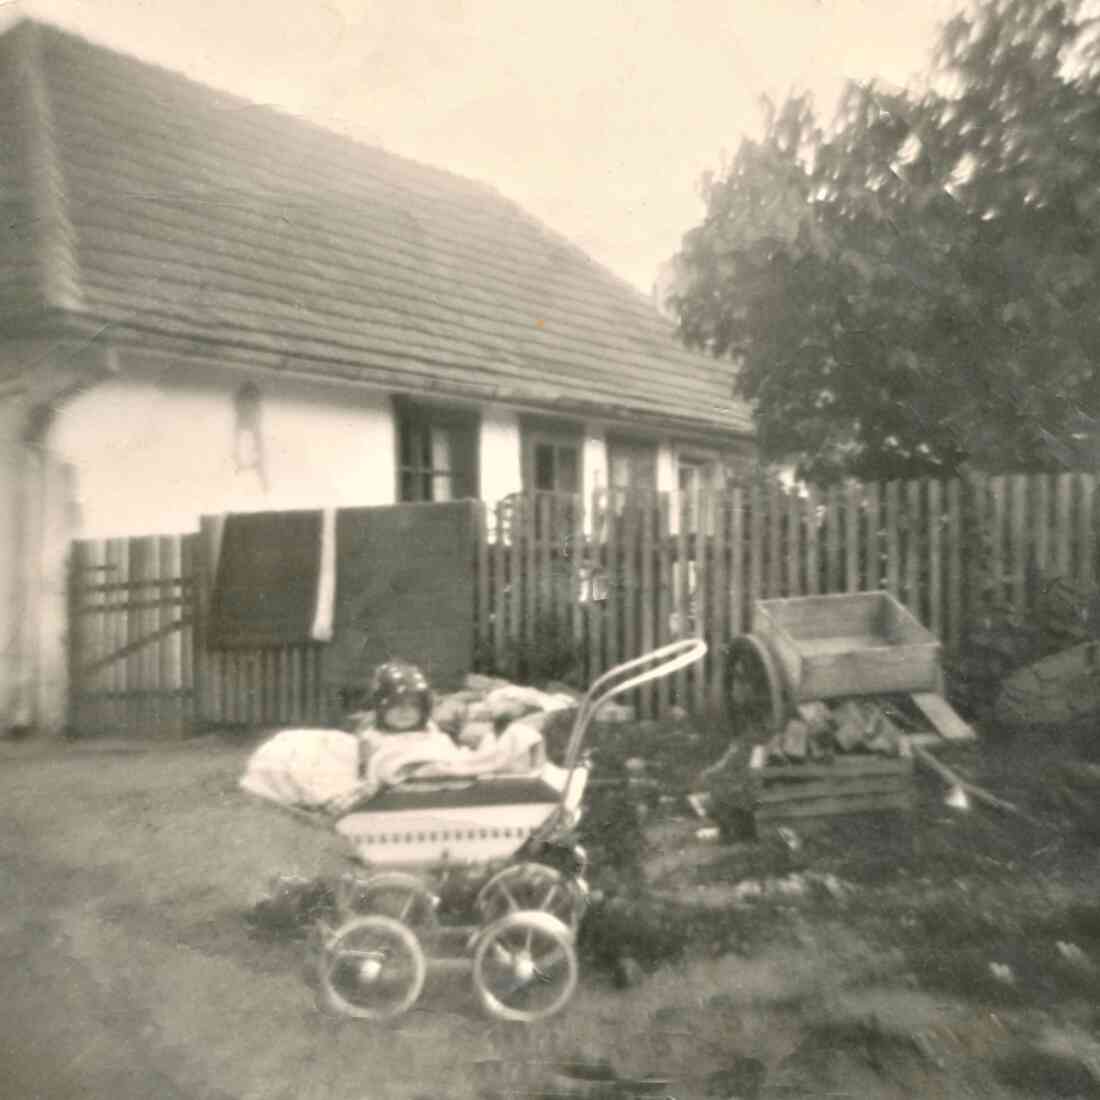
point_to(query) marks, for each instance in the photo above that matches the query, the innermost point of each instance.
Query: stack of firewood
(821, 732)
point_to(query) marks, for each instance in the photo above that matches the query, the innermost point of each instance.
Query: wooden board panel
(833, 806)
(943, 717)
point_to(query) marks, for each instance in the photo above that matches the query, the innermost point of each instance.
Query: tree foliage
(917, 286)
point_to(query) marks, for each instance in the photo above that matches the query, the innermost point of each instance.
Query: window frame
(424, 418)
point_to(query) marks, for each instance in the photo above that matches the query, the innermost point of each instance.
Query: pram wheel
(372, 968)
(525, 968)
(527, 887)
(403, 897)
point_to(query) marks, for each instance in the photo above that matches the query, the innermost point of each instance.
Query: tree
(917, 287)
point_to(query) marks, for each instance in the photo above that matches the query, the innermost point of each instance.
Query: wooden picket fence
(575, 587)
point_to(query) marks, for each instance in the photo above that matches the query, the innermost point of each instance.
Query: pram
(478, 869)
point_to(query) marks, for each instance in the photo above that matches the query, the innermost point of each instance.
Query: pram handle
(668, 659)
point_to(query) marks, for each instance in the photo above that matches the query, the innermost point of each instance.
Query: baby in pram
(334, 771)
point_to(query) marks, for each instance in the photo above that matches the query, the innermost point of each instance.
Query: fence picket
(664, 589)
(912, 549)
(756, 546)
(736, 581)
(813, 556)
(833, 582)
(954, 562)
(1019, 540)
(1086, 560)
(997, 535)
(794, 541)
(851, 536)
(775, 534)
(1041, 522)
(1063, 525)
(873, 537)
(893, 557)
(718, 605)
(935, 557)
(681, 590)
(647, 602)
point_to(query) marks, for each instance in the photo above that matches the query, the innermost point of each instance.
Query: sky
(597, 116)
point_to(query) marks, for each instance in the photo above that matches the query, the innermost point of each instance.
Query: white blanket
(318, 768)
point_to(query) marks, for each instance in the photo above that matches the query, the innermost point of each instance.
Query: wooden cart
(816, 648)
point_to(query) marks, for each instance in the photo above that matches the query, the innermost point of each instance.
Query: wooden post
(737, 582)
(775, 531)
(481, 576)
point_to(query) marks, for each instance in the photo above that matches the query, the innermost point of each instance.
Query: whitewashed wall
(154, 450)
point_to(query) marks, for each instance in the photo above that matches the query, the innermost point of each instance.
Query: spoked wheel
(754, 696)
(530, 887)
(525, 967)
(405, 898)
(372, 968)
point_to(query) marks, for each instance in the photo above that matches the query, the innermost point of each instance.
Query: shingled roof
(170, 216)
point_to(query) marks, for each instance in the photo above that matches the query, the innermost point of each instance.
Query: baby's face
(401, 716)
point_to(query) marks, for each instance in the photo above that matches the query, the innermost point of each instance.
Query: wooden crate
(852, 784)
(863, 643)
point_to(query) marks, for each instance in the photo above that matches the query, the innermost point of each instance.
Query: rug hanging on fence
(405, 588)
(275, 580)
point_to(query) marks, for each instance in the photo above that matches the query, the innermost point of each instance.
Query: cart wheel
(372, 968)
(754, 697)
(403, 897)
(530, 887)
(525, 968)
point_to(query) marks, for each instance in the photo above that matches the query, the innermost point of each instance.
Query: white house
(209, 306)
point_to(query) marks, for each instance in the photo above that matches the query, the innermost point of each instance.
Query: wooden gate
(132, 644)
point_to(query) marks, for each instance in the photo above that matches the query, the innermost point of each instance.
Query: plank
(736, 581)
(648, 601)
(893, 552)
(997, 538)
(1041, 522)
(943, 717)
(595, 608)
(613, 551)
(698, 596)
(813, 554)
(935, 557)
(482, 581)
(530, 567)
(874, 803)
(913, 549)
(664, 592)
(497, 599)
(775, 533)
(629, 589)
(544, 559)
(717, 618)
(954, 563)
(1018, 542)
(851, 537)
(517, 528)
(794, 543)
(1086, 545)
(873, 537)
(832, 539)
(756, 547)
(1062, 525)
(576, 564)
(976, 557)
(796, 791)
(682, 583)
(842, 766)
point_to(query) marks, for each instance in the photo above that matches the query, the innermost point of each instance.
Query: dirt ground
(951, 954)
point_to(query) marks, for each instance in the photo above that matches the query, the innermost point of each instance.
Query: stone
(628, 972)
